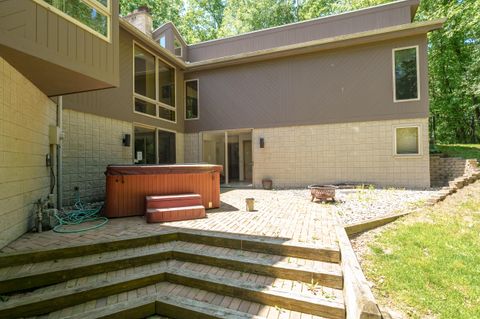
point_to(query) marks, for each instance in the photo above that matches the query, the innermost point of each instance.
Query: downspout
(60, 154)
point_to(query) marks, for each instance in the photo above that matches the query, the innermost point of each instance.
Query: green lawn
(460, 150)
(428, 263)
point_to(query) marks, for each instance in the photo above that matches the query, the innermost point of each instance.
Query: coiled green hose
(78, 216)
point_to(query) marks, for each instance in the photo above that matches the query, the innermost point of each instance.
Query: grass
(428, 264)
(467, 151)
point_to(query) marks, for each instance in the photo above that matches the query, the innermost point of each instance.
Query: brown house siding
(337, 86)
(358, 21)
(117, 103)
(54, 53)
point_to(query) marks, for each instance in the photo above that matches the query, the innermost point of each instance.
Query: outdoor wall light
(126, 140)
(262, 142)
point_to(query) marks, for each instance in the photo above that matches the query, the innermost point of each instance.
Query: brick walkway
(284, 213)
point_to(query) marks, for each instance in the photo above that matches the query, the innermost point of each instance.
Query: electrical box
(54, 135)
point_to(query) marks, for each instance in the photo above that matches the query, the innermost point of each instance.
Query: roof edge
(345, 15)
(341, 41)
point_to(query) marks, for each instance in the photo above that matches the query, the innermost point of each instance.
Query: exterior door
(145, 152)
(247, 160)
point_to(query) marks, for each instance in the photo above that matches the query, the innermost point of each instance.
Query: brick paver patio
(283, 213)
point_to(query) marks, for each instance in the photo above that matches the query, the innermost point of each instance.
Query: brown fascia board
(152, 44)
(399, 31)
(344, 16)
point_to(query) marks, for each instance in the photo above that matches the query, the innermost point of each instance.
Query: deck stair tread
(168, 296)
(166, 201)
(49, 272)
(230, 282)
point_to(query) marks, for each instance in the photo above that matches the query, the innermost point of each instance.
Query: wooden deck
(282, 261)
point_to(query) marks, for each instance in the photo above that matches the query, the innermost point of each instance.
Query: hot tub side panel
(126, 193)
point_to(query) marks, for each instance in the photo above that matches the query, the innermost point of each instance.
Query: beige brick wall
(91, 143)
(25, 116)
(191, 148)
(335, 153)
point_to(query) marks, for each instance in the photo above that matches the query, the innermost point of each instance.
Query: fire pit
(322, 192)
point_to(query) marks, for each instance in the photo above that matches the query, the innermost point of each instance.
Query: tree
(162, 10)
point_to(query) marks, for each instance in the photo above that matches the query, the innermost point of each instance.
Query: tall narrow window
(162, 41)
(166, 84)
(191, 99)
(144, 73)
(406, 74)
(407, 140)
(154, 86)
(166, 147)
(177, 47)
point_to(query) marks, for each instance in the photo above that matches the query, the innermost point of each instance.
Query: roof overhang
(152, 44)
(399, 31)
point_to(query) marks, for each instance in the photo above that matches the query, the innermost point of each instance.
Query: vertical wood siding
(37, 31)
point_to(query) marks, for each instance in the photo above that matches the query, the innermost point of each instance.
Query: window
(166, 147)
(191, 99)
(144, 73)
(177, 47)
(406, 74)
(154, 146)
(154, 86)
(407, 140)
(162, 41)
(92, 15)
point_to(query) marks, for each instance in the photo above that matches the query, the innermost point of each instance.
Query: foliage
(454, 63)
(428, 263)
(467, 151)
(454, 51)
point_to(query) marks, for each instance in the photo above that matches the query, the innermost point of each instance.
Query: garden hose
(78, 216)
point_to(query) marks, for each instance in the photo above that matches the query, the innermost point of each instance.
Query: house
(342, 98)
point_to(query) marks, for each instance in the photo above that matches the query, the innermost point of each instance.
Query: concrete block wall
(297, 156)
(192, 148)
(25, 116)
(91, 143)
(445, 169)
(337, 153)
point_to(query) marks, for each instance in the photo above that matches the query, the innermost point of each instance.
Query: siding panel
(42, 26)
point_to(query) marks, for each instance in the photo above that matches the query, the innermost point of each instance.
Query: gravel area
(359, 204)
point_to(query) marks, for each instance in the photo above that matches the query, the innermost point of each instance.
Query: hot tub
(127, 185)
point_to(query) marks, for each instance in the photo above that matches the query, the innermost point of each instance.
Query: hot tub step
(168, 201)
(159, 215)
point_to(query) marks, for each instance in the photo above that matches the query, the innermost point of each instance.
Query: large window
(407, 140)
(154, 146)
(405, 67)
(93, 15)
(191, 99)
(154, 86)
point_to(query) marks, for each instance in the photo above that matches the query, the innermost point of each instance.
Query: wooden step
(262, 244)
(172, 306)
(166, 201)
(323, 273)
(50, 299)
(17, 278)
(160, 215)
(330, 306)
(36, 275)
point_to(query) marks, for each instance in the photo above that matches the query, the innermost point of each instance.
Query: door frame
(226, 133)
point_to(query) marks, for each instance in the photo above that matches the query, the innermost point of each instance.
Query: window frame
(175, 39)
(416, 47)
(107, 11)
(185, 99)
(157, 102)
(156, 128)
(419, 137)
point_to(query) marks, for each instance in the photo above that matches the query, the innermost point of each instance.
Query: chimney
(141, 19)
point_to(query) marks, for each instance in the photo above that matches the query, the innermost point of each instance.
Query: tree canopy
(454, 51)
